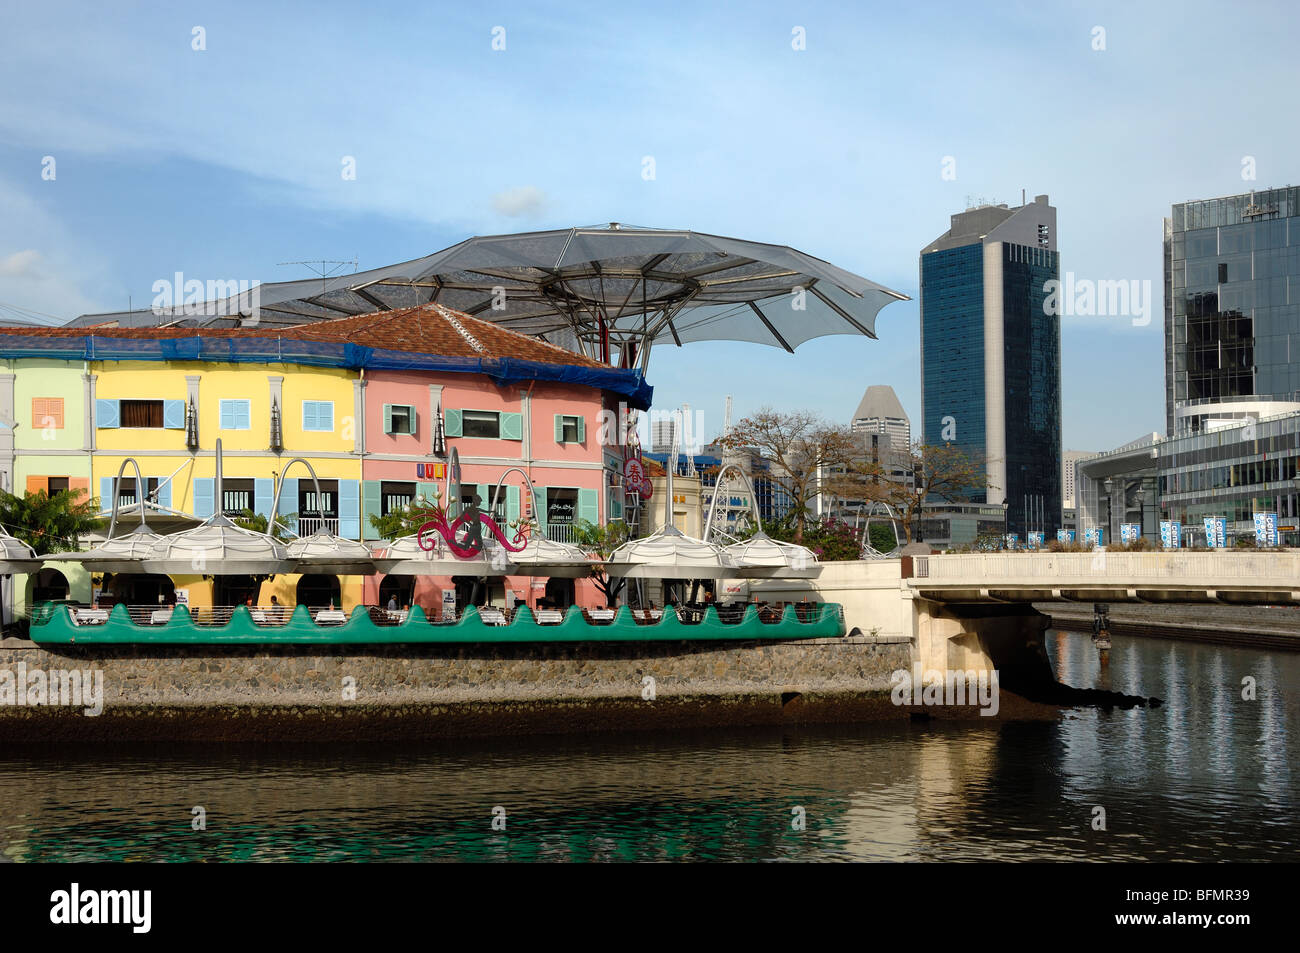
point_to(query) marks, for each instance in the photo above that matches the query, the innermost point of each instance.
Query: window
(308, 505)
(58, 485)
(318, 415)
(393, 496)
(399, 419)
(570, 428)
(141, 413)
(47, 413)
(126, 489)
(234, 415)
(561, 505)
(236, 495)
(480, 423)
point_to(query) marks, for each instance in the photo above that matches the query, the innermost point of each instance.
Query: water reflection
(1206, 775)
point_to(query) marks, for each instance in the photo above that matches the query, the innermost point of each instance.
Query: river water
(1208, 775)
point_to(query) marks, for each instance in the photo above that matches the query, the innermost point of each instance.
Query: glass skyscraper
(991, 355)
(1232, 309)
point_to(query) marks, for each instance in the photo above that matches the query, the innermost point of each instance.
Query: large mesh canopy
(585, 287)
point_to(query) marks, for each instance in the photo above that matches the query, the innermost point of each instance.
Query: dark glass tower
(991, 355)
(1232, 309)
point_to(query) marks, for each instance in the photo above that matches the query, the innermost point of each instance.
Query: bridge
(975, 611)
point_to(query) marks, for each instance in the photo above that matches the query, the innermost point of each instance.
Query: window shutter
(371, 505)
(588, 506)
(227, 415)
(105, 494)
(325, 415)
(350, 509)
(174, 414)
(451, 426)
(289, 500)
(426, 490)
(35, 484)
(80, 485)
(164, 492)
(559, 428)
(512, 426)
(309, 415)
(388, 418)
(411, 417)
(244, 415)
(204, 491)
(582, 430)
(106, 413)
(512, 504)
(539, 506)
(263, 497)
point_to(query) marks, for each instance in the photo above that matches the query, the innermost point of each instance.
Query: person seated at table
(392, 603)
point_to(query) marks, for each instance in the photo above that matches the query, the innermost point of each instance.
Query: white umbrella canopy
(761, 556)
(546, 557)
(670, 554)
(218, 548)
(405, 557)
(125, 553)
(323, 552)
(15, 555)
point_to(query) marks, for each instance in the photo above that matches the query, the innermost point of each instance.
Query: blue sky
(226, 161)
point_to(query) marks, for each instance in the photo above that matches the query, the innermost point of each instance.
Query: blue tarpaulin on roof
(277, 350)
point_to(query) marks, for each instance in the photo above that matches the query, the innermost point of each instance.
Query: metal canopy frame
(592, 289)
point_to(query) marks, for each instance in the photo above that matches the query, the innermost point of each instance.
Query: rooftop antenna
(328, 268)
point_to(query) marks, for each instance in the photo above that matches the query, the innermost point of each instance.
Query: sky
(210, 139)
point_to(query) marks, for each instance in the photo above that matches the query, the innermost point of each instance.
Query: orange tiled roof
(425, 329)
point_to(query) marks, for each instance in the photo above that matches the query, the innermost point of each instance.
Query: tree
(601, 541)
(49, 524)
(945, 472)
(257, 523)
(406, 520)
(808, 456)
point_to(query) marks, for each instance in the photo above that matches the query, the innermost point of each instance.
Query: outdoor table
(396, 615)
(160, 616)
(549, 617)
(258, 616)
(601, 615)
(91, 616)
(492, 616)
(331, 617)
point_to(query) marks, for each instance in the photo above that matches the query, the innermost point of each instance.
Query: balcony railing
(562, 533)
(310, 524)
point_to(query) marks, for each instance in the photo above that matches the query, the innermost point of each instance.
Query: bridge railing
(1107, 568)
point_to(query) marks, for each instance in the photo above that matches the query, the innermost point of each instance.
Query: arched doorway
(400, 589)
(319, 589)
(559, 593)
(138, 589)
(235, 590)
(49, 585)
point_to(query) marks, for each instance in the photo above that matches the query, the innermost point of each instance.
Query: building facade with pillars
(374, 420)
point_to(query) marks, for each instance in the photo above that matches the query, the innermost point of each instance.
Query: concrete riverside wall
(450, 674)
(873, 592)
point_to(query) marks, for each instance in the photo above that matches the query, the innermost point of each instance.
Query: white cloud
(525, 201)
(21, 264)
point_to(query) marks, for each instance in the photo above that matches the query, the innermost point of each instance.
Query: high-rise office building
(1232, 311)
(1068, 461)
(880, 412)
(991, 355)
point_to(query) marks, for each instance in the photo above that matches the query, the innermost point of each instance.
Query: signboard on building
(1171, 534)
(1130, 532)
(1216, 532)
(449, 605)
(1265, 529)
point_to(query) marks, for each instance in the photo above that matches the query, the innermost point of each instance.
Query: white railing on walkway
(309, 524)
(562, 533)
(1107, 568)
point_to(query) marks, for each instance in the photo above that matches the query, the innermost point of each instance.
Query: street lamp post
(1006, 505)
(1141, 496)
(1110, 507)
